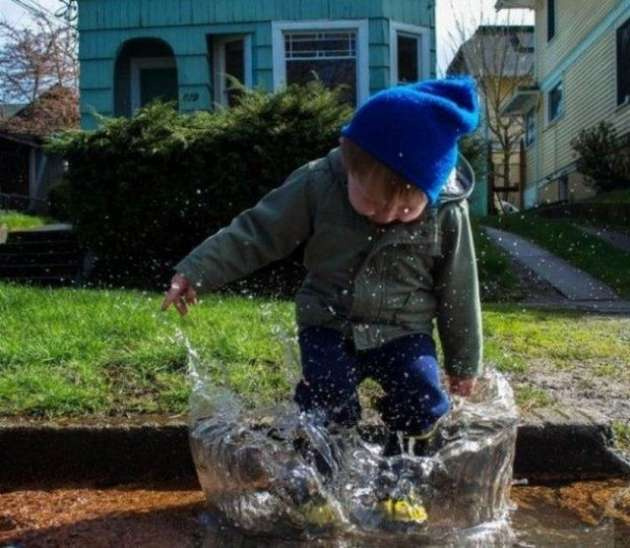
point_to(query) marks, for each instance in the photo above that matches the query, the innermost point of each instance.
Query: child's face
(369, 199)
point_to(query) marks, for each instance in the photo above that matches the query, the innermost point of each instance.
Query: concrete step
(39, 235)
(43, 246)
(51, 256)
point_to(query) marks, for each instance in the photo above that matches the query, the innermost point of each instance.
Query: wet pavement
(589, 514)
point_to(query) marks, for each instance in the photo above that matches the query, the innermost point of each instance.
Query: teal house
(132, 51)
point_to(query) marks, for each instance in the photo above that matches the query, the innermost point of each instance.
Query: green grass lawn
(497, 280)
(613, 197)
(18, 221)
(69, 352)
(563, 238)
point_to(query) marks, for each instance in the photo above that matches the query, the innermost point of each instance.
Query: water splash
(256, 478)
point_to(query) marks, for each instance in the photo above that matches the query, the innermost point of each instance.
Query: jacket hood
(460, 184)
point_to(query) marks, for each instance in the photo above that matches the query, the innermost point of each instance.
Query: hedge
(143, 191)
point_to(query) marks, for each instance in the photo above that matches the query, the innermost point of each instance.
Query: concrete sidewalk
(573, 283)
(616, 239)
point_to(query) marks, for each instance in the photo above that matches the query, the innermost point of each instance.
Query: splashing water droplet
(253, 473)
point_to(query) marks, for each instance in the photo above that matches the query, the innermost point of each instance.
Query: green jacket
(375, 283)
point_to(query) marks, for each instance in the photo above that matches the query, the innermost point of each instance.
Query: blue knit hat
(413, 129)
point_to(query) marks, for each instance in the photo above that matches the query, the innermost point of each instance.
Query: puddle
(171, 515)
(292, 477)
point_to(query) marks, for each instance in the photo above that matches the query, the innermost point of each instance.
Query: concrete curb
(109, 454)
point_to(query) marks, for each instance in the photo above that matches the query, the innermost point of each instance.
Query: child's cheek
(358, 203)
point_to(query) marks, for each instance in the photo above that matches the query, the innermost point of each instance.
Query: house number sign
(191, 97)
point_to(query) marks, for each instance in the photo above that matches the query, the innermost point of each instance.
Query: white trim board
(363, 54)
(424, 49)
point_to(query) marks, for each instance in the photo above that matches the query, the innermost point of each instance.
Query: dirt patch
(129, 515)
(599, 387)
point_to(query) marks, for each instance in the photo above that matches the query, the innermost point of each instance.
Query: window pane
(555, 101)
(332, 55)
(332, 72)
(530, 127)
(302, 45)
(623, 62)
(551, 19)
(407, 58)
(234, 66)
(235, 59)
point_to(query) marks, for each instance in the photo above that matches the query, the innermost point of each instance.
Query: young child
(388, 250)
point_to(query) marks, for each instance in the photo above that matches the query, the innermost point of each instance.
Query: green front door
(158, 82)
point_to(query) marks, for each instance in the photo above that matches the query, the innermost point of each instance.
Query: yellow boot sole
(319, 514)
(404, 511)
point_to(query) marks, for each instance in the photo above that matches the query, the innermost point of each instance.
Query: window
(530, 127)
(556, 102)
(409, 53)
(623, 63)
(408, 58)
(332, 56)
(232, 59)
(333, 51)
(551, 19)
(563, 188)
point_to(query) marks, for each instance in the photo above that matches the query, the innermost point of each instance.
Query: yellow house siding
(589, 89)
(591, 94)
(549, 145)
(530, 163)
(575, 19)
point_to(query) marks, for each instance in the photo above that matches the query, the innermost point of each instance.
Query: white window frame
(139, 63)
(424, 49)
(218, 63)
(530, 139)
(563, 103)
(278, 28)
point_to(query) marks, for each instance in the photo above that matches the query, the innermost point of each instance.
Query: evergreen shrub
(143, 191)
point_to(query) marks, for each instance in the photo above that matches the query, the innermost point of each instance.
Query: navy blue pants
(406, 368)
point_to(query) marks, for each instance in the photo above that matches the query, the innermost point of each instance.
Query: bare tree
(500, 55)
(34, 60)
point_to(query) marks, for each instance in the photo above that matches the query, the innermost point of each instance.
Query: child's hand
(180, 293)
(462, 386)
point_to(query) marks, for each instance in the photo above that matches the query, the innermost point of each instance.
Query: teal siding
(379, 79)
(413, 12)
(105, 26)
(478, 200)
(98, 14)
(379, 31)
